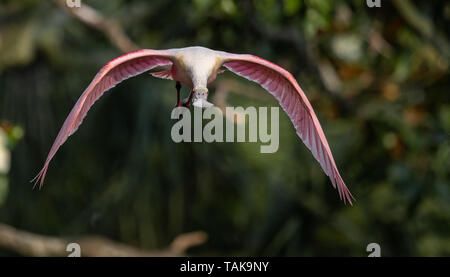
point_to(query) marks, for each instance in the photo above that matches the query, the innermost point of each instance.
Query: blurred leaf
(16, 44)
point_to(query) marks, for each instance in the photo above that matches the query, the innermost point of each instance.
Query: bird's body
(196, 67)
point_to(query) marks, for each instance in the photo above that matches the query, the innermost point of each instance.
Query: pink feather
(110, 75)
(282, 85)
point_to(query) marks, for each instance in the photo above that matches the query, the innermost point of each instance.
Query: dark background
(376, 77)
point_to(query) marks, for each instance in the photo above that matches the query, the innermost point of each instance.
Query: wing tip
(344, 192)
(39, 178)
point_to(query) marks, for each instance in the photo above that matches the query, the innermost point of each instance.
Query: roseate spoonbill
(196, 67)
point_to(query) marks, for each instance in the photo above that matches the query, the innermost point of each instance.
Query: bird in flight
(196, 67)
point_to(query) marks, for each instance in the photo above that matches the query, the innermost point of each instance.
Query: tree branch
(29, 244)
(112, 29)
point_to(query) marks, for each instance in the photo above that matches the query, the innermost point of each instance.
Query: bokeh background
(378, 79)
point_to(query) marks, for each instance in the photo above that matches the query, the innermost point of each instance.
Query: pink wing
(164, 74)
(110, 75)
(281, 84)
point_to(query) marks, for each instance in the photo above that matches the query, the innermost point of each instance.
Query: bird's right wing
(110, 75)
(282, 85)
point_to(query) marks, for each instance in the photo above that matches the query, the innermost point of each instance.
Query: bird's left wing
(110, 75)
(282, 85)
